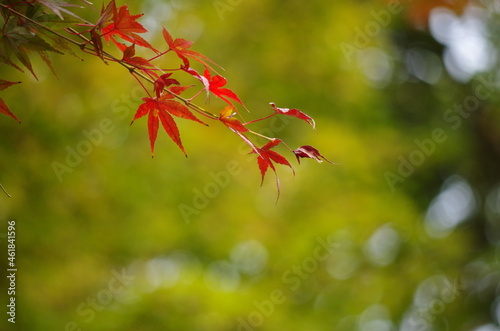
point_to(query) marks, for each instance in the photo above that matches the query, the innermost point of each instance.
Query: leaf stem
(260, 119)
(260, 135)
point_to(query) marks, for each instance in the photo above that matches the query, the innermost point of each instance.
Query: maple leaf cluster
(26, 29)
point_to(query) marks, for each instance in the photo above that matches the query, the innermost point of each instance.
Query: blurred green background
(403, 234)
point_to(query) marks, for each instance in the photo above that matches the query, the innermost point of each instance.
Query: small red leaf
(136, 61)
(181, 48)
(309, 152)
(215, 86)
(162, 82)
(265, 160)
(293, 112)
(97, 43)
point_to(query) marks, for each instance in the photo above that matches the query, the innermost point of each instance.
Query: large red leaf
(126, 27)
(159, 110)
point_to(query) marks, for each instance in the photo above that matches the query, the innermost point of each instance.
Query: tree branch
(4, 191)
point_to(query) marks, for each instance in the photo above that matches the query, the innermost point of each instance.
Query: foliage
(25, 30)
(197, 244)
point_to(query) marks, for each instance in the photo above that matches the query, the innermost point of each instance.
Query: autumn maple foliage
(44, 27)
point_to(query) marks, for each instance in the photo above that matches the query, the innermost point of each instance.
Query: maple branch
(122, 24)
(84, 46)
(133, 70)
(4, 191)
(13, 11)
(188, 103)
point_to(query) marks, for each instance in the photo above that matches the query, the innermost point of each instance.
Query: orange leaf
(227, 117)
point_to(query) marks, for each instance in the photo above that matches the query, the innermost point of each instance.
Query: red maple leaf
(227, 117)
(164, 81)
(310, 152)
(4, 109)
(266, 157)
(136, 61)
(293, 112)
(215, 84)
(126, 27)
(181, 48)
(160, 110)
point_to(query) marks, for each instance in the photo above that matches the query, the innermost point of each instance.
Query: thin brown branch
(39, 25)
(84, 46)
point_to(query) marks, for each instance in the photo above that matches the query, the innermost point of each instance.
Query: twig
(5, 191)
(39, 25)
